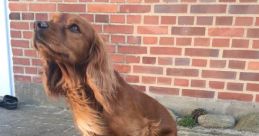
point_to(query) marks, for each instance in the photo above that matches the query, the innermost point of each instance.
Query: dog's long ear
(52, 79)
(99, 69)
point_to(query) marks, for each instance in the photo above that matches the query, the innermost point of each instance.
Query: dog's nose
(41, 24)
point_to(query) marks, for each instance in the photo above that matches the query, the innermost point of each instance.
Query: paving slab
(31, 120)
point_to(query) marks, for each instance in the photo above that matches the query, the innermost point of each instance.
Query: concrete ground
(30, 120)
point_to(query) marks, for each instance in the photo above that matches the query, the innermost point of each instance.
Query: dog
(76, 66)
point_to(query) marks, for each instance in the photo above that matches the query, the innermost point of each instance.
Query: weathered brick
(164, 90)
(252, 87)
(148, 69)
(244, 21)
(164, 81)
(253, 65)
(218, 74)
(107, 8)
(165, 61)
(168, 20)
(249, 76)
(148, 60)
(148, 80)
(14, 16)
(199, 62)
(181, 82)
(216, 84)
(244, 9)
(208, 9)
(204, 20)
(235, 64)
(240, 43)
(135, 8)
(170, 8)
(235, 86)
(226, 32)
(243, 54)
(220, 42)
(18, 6)
(43, 7)
(132, 49)
(151, 19)
(132, 79)
(123, 29)
(198, 83)
(198, 93)
(182, 72)
(152, 30)
(235, 96)
(183, 41)
(222, 20)
(201, 52)
(165, 51)
(218, 63)
(188, 31)
(185, 20)
(253, 33)
(201, 41)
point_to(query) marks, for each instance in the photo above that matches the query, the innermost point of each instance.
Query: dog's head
(65, 38)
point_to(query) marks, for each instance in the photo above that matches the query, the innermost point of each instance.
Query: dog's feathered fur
(76, 66)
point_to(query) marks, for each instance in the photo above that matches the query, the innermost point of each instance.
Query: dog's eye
(74, 28)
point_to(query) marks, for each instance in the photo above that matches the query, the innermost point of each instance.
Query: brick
(151, 19)
(165, 61)
(139, 87)
(16, 34)
(41, 16)
(122, 68)
(183, 41)
(148, 80)
(123, 29)
(170, 0)
(18, 70)
(166, 41)
(218, 74)
(203, 20)
(118, 58)
(118, 39)
(199, 62)
(165, 51)
(18, 6)
(22, 78)
(249, 76)
(182, 72)
(17, 52)
(19, 25)
(218, 63)
(135, 8)
(150, 40)
(252, 87)
(170, 8)
(27, 16)
(151, 1)
(244, 21)
(247, 1)
(20, 43)
(220, 42)
(30, 53)
(185, 20)
(27, 34)
(21, 61)
(148, 69)
(253, 33)
(106, 8)
(201, 52)
(235, 86)
(226, 32)
(235, 64)
(216, 85)
(148, 60)
(257, 98)
(42, 7)
(242, 54)
(133, 19)
(171, 20)
(181, 82)
(134, 39)
(164, 90)
(182, 62)
(240, 43)
(227, 0)
(189, 1)
(235, 96)
(118, 1)
(132, 79)
(198, 83)
(132, 50)
(71, 8)
(256, 44)
(14, 16)
(36, 62)
(244, 9)
(257, 21)
(152, 30)
(208, 9)
(30, 70)
(164, 80)
(102, 18)
(223, 20)
(134, 1)
(253, 65)
(132, 59)
(198, 93)
(188, 31)
(201, 41)
(117, 18)
(89, 17)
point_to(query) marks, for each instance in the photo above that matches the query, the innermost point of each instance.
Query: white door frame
(6, 70)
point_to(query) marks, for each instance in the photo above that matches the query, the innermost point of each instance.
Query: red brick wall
(197, 48)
